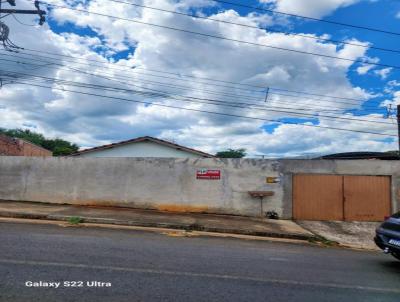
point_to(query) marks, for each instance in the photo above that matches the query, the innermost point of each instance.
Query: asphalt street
(143, 266)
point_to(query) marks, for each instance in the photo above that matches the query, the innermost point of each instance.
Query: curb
(176, 226)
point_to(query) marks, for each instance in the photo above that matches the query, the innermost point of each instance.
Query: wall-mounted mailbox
(272, 180)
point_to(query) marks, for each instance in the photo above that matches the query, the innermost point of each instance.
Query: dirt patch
(182, 209)
(351, 234)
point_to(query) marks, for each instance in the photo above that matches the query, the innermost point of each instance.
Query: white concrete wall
(141, 149)
(153, 183)
(171, 184)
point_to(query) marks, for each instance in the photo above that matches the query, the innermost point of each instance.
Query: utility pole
(398, 126)
(36, 11)
(5, 30)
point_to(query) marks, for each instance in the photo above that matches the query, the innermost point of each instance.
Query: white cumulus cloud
(310, 8)
(162, 58)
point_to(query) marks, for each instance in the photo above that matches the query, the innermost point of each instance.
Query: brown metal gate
(366, 198)
(341, 197)
(317, 197)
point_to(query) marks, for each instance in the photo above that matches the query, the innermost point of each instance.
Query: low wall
(171, 184)
(157, 183)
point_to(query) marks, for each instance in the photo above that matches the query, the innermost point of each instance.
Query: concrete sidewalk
(149, 218)
(354, 234)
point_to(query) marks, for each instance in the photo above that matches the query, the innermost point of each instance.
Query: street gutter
(162, 225)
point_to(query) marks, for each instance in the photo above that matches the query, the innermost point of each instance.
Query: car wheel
(396, 255)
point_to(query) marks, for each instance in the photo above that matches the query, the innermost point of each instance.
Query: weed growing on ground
(75, 220)
(322, 240)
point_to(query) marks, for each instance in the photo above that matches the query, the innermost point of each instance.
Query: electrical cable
(16, 19)
(308, 18)
(209, 112)
(356, 101)
(164, 84)
(177, 74)
(193, 99)
(227, 39)
(112, 76)
(256, 27)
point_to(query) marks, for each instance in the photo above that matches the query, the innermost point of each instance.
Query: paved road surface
(143, 266)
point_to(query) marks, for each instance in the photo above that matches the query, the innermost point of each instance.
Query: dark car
(388, 236)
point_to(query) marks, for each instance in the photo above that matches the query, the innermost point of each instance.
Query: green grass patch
(322, 240)
(75, 220)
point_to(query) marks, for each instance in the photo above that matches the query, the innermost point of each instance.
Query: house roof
(18, 141)
(30, 143)
(362, 155)
(144, 139)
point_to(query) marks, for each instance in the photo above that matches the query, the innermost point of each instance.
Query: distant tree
(231, 153)
(58, 146)
(64, 151)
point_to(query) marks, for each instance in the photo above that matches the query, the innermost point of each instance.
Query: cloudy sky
(203, 80)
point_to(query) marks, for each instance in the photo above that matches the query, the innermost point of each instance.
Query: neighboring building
(362, 155)
(143, 147)
(10, 146)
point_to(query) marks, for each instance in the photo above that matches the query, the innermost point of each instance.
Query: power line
(133, 69)
(257, 27)
(308, 18)
(304, 107)
(271, 93)
(245, 105)
(22, 23)
(173, 86)
(102, 62)
(208, 112)
(218, 80)
(180, 75)
(194, 99)
(228, 39)
(177, 74)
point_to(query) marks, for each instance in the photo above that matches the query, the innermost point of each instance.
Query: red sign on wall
(208, 174)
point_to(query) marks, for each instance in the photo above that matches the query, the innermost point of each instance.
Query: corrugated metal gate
(341, 197)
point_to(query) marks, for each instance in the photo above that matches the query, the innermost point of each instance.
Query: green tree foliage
(231, 153)
(58, 146)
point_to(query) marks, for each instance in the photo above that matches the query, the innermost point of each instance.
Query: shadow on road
(391, 265)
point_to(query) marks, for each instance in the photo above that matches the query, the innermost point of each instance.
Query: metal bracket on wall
(261, 195)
